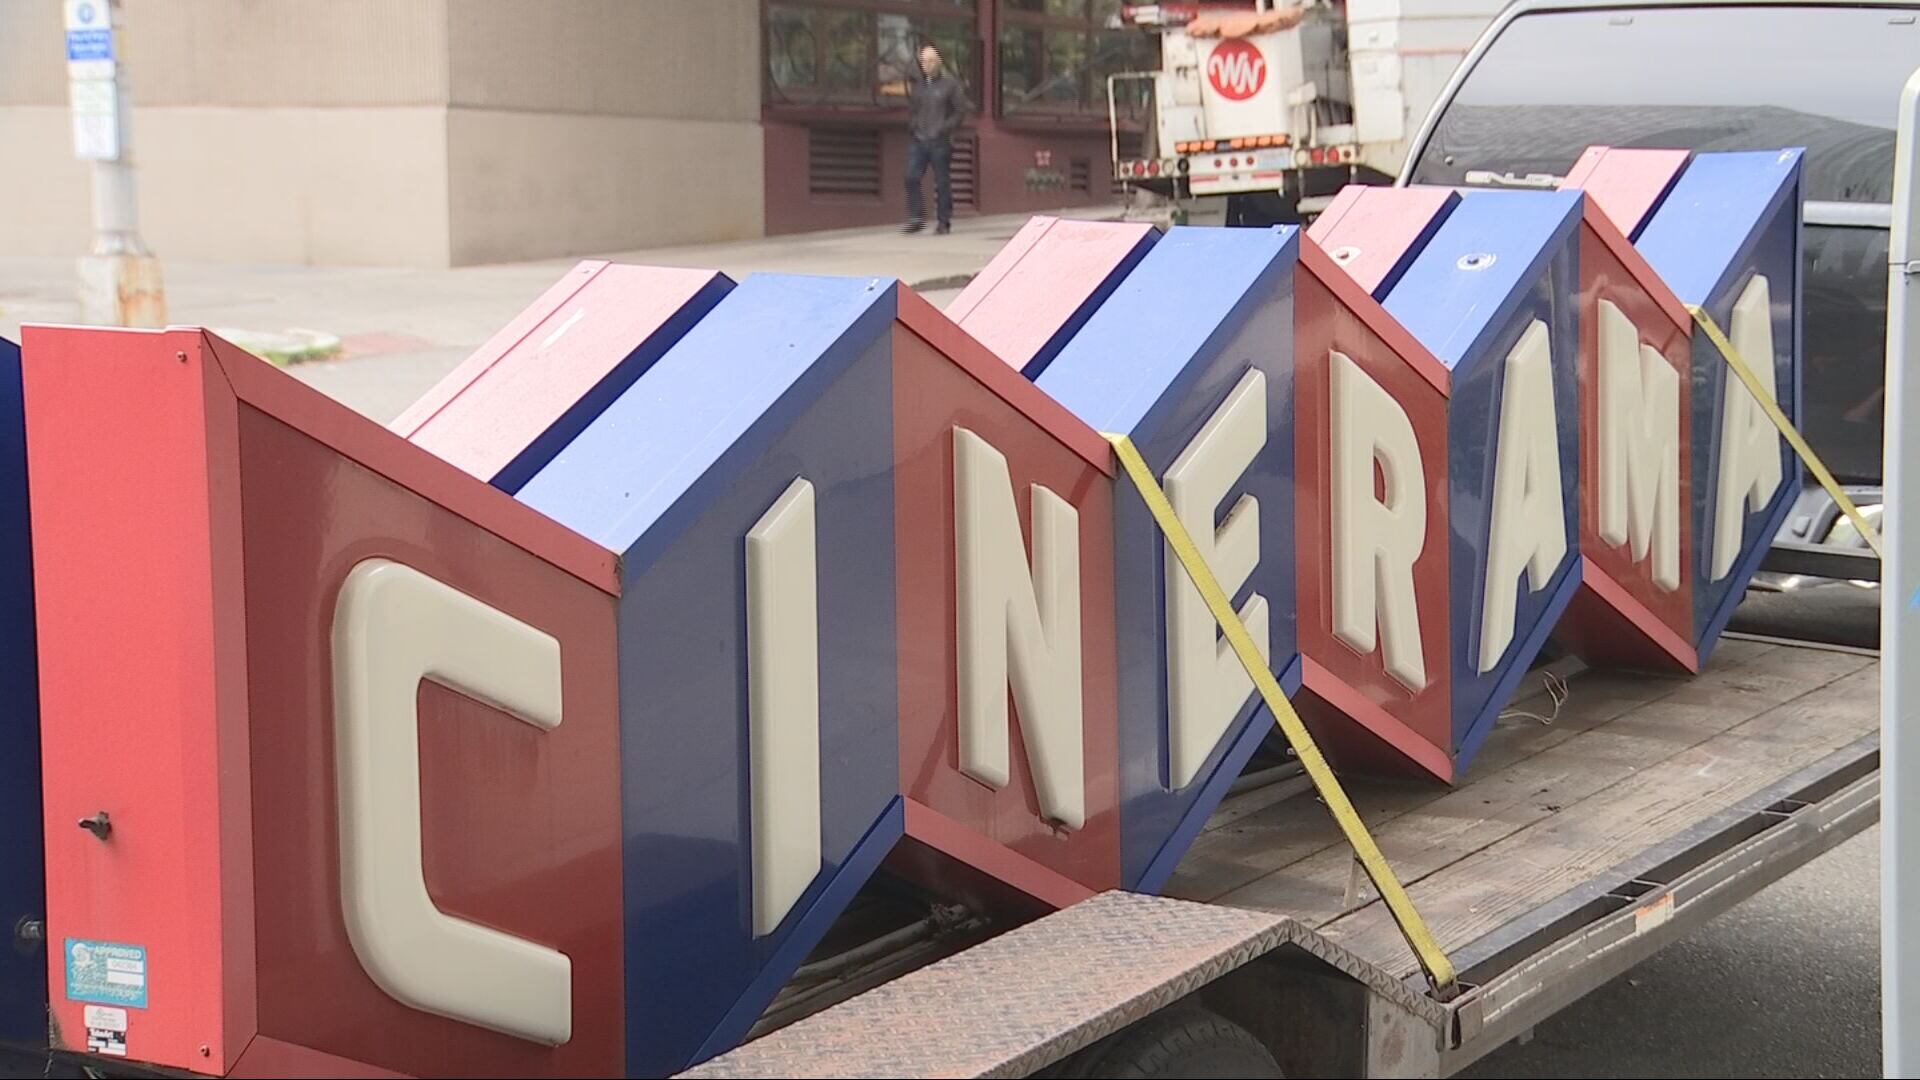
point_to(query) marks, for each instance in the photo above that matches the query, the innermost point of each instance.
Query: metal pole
(1900, 619)
(120, 282)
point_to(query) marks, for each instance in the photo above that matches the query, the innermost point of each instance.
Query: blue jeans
(940, 156)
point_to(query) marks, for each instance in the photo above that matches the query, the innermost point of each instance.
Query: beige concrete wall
(532, 185)
(358, 186)
(33, 66)
(244, 52)
(692, 59)
(45, 197)
(263, 130)
(591, 126)
(286, 52)
(338, 186)
(400, 132)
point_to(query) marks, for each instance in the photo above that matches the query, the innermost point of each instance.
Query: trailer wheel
(1180, 1042)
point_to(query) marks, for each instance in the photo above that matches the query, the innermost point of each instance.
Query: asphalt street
(1787, 984)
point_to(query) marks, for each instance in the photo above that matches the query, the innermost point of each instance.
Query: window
(862, 52)
(1710, 79)
(1056, 55)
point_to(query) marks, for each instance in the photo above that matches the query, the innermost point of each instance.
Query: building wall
(596, 125)
(1008, 176)
(308, 133)
(399, 132)
(1022, 163)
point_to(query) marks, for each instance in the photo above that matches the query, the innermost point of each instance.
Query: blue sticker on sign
(89, 45)
(107, 973)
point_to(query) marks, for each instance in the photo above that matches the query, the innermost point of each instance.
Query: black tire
(1262, 209)
(1181, 1042)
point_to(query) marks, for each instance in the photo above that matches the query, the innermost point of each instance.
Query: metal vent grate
(966, 157)
(843, 161)
(1080, 175)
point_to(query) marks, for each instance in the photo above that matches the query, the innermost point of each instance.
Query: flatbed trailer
(1589, 834)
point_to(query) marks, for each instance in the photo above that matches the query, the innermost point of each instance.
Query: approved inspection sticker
(107, 972)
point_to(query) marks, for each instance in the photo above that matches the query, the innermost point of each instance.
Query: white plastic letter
(1639, 447)
(783, 703)
(393, 627)
(1749, 443)
(1020, 627)
(1205, 683)
(1529, 524)
(1376, 540)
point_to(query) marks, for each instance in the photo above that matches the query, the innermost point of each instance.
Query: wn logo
(1236, 69)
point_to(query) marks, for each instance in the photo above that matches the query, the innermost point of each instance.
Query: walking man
(936, 106)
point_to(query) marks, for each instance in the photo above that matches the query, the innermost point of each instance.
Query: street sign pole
(120, 282)
(1900, 619)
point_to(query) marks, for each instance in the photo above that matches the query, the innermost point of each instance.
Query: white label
(783, 710)
(393, 627)
(96, 119)
(1639, 463)
(1529, 527)
(1654, 915)
(1749, 443)
(1205, 683)
(1376, 540)
(106, 1030)
(106, 1042)
(1018, 626)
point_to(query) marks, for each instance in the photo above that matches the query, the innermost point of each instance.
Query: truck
(1492, 128)
(1271, 109)
(807, 682)
(1541, 896)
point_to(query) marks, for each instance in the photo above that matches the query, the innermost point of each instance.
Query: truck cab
(1274, 107)
(1543, 84)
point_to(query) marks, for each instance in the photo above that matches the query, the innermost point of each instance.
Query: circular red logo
(1236, 69)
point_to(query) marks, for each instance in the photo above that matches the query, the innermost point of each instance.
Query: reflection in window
(1023, 66)
(1056, 56)
(1066, 68)
(849, 38)
(862, 52)
(792, 48)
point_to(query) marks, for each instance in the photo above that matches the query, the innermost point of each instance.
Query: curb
(949, 281)
(285, 348)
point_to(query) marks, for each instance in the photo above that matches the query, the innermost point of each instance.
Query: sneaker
(943, 228)
(913, 226)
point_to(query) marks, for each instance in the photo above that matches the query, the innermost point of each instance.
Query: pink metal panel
(1044, 283)
(603, 321)
(1375, 232)
(132, 453)
(1628, 185)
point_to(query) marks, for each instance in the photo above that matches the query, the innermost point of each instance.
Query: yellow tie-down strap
(1799, 443)
(1433, 960)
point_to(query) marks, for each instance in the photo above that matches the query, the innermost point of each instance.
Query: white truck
(1278, 107)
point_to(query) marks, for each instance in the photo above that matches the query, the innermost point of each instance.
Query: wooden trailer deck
(1631, 762)
(1580, 842)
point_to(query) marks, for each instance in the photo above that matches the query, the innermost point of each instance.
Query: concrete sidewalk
(401, 330)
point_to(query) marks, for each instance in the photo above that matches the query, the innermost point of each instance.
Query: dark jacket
(936, 107)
